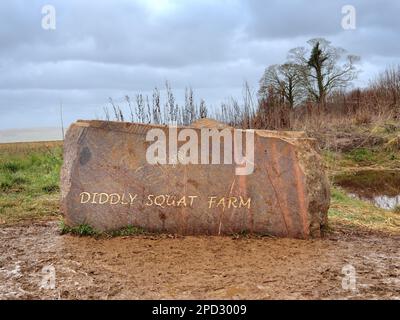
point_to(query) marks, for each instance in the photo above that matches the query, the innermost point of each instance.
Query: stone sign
(204, 179)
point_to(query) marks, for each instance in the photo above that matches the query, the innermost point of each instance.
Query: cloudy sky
(103, 49)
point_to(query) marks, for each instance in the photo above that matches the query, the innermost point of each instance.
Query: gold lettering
(157, 202)
(173, 201)
(94, 198)
(123, 200)
(164, 201)
(149, 200)
(211, 200)
(83, 194)
(182, 202)
(132, 198)
(243, 204)
(101, 196)
(115, 196)
(221, 203)
(192, 199)
(232, 202)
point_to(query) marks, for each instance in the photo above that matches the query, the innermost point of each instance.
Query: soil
(169, 267)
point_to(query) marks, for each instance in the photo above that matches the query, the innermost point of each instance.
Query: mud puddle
(381, 187)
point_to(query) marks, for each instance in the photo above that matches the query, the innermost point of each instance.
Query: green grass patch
(29, 181)
(35, 173)
(361, 155)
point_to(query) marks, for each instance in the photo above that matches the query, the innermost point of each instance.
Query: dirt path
(159, 267)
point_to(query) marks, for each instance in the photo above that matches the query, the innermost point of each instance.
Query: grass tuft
(83, 230)
(127, 231)
(12, 166)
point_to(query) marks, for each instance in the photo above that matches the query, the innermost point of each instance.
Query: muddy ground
(167, 267)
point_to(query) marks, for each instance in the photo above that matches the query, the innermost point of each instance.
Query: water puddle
(381, 187)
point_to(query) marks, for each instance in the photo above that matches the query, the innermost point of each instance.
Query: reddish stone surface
(106, 182)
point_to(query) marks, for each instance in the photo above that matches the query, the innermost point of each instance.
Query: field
(29, 181)
(133, 264)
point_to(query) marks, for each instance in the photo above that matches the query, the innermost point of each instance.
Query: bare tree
(189, 114)
(286, 80)
(388, 83)
(171, 110)
(323, 68)
(156, 111)
(203, 109)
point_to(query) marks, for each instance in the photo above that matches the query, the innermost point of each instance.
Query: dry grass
(357, 214)
(21, 148)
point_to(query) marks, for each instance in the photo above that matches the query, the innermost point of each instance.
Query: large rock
(108, 183)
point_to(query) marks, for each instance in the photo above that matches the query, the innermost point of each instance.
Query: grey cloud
(113, 48)
(125, 34)
(296, 18)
